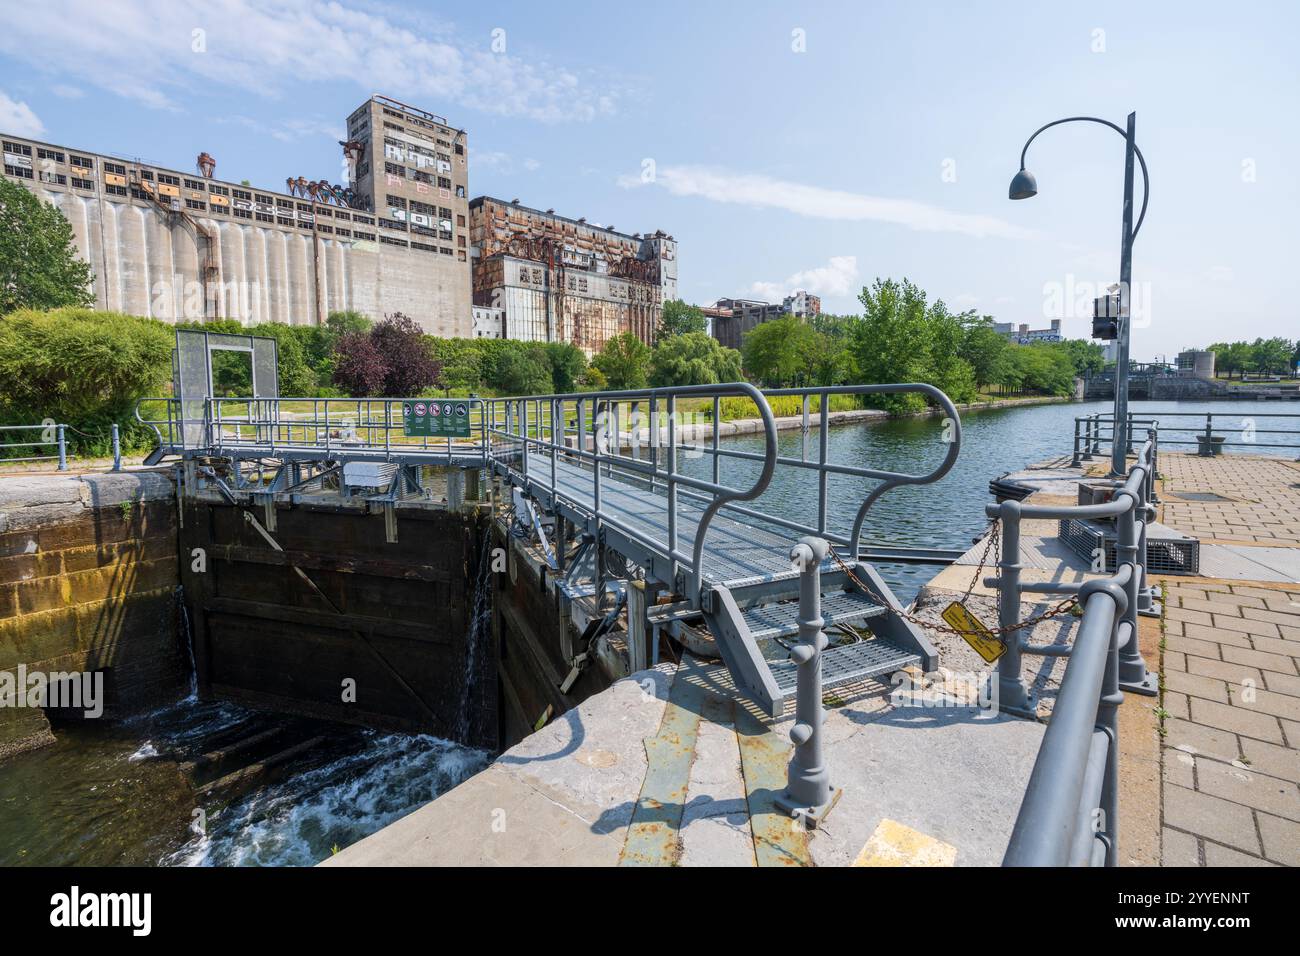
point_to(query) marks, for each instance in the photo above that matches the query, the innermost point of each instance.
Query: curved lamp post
(1025, 186)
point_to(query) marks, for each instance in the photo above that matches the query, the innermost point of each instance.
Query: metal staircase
(752, 622)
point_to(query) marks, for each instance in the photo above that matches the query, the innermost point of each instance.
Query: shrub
(84, 368)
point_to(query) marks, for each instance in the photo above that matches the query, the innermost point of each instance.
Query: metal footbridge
(639, 477)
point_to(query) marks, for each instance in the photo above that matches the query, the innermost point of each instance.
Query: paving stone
(1245, 626)
(1193, 738)
(1178, 848)
(1273, 645)
(1249, 787)
(1216, 855)
(1237, 720)
(1175, 705)
(1174, 661)
(1196, 686)
(1260, 659)
(1267, 702)
(1229, 671)
(1190, 616)
(1282, 683)
(1275, 617)
(1272, 759)
(1179, 768)
(1188, 645)
(1217, 635)
(1211, 817)
(1281, 839)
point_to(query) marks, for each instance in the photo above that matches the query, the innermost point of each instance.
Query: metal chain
(994, 541)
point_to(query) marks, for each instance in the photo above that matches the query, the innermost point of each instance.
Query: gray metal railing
(307, 427)
(1207, 432)
(587, 429)
(57, 441)
(1069, 813)
(641, 436)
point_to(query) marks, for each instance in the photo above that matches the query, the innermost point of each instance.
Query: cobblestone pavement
(1263, 493)
(1231, 675)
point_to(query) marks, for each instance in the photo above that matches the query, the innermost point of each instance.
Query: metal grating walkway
(782, 620)
(849, 663)
(733, 551)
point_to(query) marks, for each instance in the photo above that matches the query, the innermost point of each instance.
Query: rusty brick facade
(565, 280)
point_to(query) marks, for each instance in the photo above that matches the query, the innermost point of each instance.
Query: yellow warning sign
(970, 627)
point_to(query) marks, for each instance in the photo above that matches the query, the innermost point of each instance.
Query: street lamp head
(1023, 185)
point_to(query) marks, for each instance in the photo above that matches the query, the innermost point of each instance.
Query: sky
(785, 145)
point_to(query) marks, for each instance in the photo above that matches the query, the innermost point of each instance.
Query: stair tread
(839, 607)
(848, 663)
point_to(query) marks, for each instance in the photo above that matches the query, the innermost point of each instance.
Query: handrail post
(1133, 674)
(63, 450)
(672, 490)
(1075, 460)
(807, 795)
(117, 449)
(1108, 722)
(1014, 696)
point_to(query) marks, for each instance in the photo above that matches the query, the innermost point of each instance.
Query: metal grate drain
(1196, 496)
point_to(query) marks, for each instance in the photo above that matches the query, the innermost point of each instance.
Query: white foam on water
(297, 822)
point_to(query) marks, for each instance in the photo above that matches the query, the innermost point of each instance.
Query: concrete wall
(145, 266)
(88, 581)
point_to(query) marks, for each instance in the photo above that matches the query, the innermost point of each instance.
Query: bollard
(807, 795)
(1014, 696)
(63, 451)
(117, 449)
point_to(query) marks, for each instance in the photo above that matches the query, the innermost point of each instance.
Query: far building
(803, 305)
(1023, 334)
(732, 318)
(489, 323)
(556, 279)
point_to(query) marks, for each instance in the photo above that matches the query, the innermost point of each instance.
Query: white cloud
(839, 277)
(291, 129)
(159, 52)
(816, 202)
(497, 161)
(18, 118)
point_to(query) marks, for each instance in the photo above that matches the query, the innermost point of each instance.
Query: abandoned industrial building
(400, 236)
(566, 280)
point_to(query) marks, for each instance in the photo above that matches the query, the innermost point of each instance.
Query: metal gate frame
(192, 376)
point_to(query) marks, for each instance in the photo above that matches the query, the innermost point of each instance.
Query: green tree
(624, 361)
(779, 353)
(1087, 357)
(948, 370)
(892, 343)
(1231, 357)
(568, 365)
(84, 368)
(984, 349)
(678, 318)
(39, 266)
(693, 358)
(1270, 356)
(523, 372)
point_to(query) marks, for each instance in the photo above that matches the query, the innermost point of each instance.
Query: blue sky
(784, 145)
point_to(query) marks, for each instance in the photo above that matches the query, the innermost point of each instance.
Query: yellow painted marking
(894, 844)
(973, 630)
